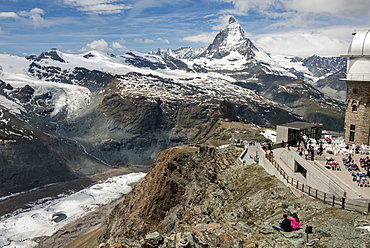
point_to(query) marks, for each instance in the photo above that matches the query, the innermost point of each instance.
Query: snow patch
(269, 134)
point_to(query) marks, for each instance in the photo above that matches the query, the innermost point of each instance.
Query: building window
(352, 127)
(354, 108)
(351, 136)
(354, 91)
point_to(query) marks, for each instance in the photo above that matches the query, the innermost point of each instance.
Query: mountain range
(85, 113)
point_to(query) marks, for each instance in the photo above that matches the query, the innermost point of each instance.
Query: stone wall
(357, 120)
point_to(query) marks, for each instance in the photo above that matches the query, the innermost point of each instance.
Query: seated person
(285, 226)
(295, 221)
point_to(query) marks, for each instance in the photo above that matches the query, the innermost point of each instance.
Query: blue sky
(290, 27)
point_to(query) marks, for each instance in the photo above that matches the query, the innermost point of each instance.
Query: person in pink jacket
(295, 221)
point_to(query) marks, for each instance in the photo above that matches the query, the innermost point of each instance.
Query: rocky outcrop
(166, 186)
(52, 54)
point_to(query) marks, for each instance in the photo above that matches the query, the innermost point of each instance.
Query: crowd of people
(360, 174)
(332, 163)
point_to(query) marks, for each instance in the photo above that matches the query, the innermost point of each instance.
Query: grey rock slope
(30, 158)
(333, 86)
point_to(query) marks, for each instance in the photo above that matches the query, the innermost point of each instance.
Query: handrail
(358, 76)
(335, 201)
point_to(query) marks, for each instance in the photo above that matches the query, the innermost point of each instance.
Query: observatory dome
(360, 45)
(358, 64)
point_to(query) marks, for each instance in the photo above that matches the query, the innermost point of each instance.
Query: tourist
(321, 149)
(271, 154)
(306, 154)
(312, 151)
(285, 226)
(295, 221)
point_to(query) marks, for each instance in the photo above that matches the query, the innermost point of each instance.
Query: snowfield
(20, 228)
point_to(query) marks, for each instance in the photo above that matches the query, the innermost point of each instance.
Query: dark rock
(26, 93)
(52, 54)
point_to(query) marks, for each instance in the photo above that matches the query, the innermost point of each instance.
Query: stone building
(357, 119)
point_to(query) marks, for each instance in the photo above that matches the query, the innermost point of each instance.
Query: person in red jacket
(295, 221)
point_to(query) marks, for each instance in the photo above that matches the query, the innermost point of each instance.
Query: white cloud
(300, 13)
(163, 40)
(358, 7)
(98, 6)
(222, 22)
(103, 46)
(301, 20)
(118, 47)
(337, 7)
(202, 37)
(144, 40)
(98, 45)
(324, 42)
(246, 5)
(35, 15)
(9, 15)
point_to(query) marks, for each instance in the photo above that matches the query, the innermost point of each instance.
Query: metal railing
(331, 199)
(358, 77)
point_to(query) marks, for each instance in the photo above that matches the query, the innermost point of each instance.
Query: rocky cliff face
(180, 172)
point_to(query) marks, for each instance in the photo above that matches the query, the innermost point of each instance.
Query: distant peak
(230, 39)
(232, 20)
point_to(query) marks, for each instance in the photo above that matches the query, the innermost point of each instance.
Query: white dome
(360, 45)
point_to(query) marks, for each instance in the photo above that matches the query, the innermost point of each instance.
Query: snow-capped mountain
(231, 39)
(232, 50)
(124, 109)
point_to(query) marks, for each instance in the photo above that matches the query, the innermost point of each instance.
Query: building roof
(299, 125)
(360, 45)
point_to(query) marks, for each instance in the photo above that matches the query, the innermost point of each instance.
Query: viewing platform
(315, 177)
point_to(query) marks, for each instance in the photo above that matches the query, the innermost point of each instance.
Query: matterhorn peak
(232, 20)
(231, 39)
